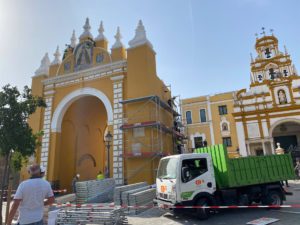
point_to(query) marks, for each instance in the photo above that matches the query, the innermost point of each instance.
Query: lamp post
(108, 140)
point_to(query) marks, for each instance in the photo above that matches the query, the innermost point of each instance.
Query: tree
(15, 133)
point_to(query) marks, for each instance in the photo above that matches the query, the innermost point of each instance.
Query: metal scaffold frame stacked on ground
(126, 195)
(141, 201)
(91, 215)
(95, 191)
(121, 189)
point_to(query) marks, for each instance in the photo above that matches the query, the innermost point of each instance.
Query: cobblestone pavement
(288, 216)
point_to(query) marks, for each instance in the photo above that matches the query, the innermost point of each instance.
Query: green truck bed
(249, 170)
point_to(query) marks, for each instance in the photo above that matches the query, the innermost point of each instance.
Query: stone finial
(86, 30)
(251, 56)
(56, 57)
(295, 70)
(140, 37)
(101, 33)
(44, 67)
(285, 51)
(73, 40)
(118, 36)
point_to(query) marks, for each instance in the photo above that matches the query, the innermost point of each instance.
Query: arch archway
(62, 107)
(82, 148)
(287, 133)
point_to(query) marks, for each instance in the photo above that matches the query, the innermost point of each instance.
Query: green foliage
(15, 133)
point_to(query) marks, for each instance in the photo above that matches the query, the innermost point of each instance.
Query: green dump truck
(209, 178)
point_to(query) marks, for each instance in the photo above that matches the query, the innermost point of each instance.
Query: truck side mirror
(185, 173)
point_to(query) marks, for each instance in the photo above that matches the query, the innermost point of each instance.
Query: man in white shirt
(30, 197)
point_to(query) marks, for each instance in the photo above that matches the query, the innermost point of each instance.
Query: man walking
(74, 181)
(30, 197)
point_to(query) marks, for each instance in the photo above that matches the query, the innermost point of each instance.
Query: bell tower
(270, 63)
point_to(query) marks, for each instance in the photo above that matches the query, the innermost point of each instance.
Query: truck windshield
(167, 168)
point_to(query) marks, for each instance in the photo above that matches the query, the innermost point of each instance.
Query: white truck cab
(181, 178)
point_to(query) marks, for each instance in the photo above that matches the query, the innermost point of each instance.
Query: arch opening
(82, 148)
(65, 103)
(287, 134)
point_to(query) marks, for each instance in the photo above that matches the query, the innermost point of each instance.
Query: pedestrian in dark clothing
(75, 179)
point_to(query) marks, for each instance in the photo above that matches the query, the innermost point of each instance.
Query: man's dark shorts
(35, 223)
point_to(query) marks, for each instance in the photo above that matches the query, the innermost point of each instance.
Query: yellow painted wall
(195, 104)
(85, 120)
(82, 141)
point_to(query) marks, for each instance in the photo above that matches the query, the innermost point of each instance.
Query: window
(259, 77)
(268, 53)
(99, 58)
(67, 66)
(167, 168)
(222, 109)
(202, 116)
(188, 116)
(196, 167)
(198, 142)
(227, 141)
(272, 73)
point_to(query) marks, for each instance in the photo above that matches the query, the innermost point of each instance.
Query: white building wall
(265, 128)
(241, 138)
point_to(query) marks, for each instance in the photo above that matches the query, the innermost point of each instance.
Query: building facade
(93, 90)
(258, 118)
(209, 120)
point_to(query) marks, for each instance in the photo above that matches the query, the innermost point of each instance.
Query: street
(286, 216)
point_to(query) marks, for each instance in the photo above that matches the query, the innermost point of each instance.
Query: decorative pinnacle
(295, 70)
(118, 36)
(140, 37)
(285, 50)
(101, 31)
(251, 56)
(56, 57)
(44, 67)
(263, 31)
(73, 40)
(272, 32)
(87, 28)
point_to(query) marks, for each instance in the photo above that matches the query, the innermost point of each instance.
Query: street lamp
(108, 140)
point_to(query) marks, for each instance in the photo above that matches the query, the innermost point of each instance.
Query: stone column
(263, 147)
(272, 145)
(248, 148)
(46, 129)
(118, 174)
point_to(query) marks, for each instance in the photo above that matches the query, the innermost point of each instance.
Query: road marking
(284, 211)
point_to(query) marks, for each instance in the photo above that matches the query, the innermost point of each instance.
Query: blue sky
(202, 46)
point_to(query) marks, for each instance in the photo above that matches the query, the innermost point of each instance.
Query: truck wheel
(272, 198)
(202, 213)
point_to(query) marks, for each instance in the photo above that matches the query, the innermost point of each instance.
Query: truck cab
(184, 178)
